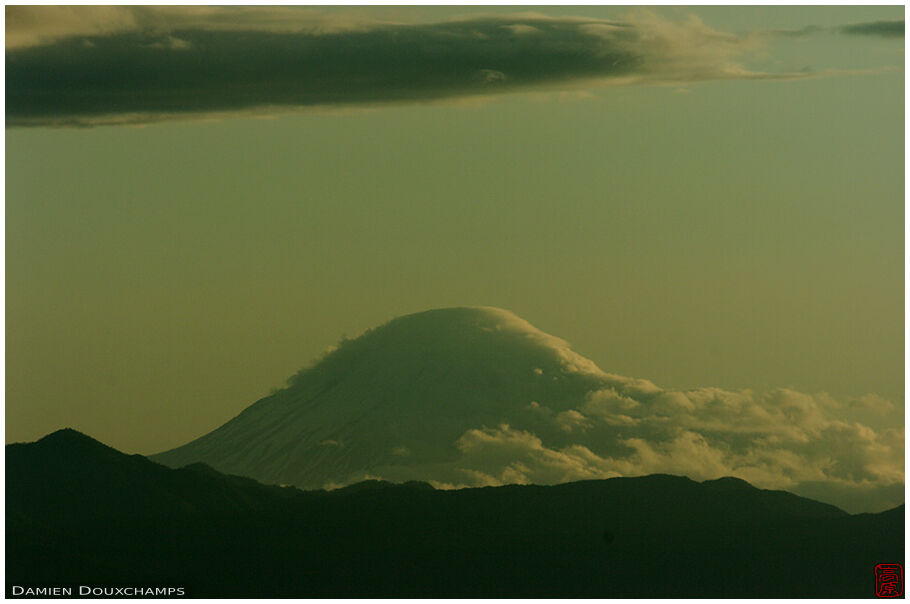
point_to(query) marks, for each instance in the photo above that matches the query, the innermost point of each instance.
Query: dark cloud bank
(881, 29)
(122, 68)
(197, 70)
(884, 29)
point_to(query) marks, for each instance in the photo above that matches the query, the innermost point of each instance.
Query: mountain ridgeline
(81, 513)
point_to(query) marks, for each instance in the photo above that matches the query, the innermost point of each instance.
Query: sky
(201, 201)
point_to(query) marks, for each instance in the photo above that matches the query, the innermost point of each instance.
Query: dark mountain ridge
(79, 512)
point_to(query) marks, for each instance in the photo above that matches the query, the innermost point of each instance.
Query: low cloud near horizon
(83, 66)
(782, 439)
(598, 425)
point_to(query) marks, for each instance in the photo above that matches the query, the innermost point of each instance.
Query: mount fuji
(397, 402)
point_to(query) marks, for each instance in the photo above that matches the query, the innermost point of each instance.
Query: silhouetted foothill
(78, 512)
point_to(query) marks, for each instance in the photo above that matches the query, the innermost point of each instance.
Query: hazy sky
(713, 203)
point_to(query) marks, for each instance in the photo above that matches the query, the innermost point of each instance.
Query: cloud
(572, 421)
(505, 455)
(112, 65)
(883, 29)
(873, 402)
(796, 33)
(782, 439)
(31, 25)
(40, 25)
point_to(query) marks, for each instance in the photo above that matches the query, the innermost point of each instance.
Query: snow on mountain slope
(477, 396)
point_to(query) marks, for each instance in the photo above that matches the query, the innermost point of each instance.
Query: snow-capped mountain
(394, 402)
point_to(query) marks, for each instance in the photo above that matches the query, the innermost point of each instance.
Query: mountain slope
(81, 513)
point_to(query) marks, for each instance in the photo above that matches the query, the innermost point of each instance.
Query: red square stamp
(889, 580)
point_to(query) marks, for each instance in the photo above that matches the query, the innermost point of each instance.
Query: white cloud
(872, 402)
(504, 455)
(780, 439)
(522, 29)
(572, 421)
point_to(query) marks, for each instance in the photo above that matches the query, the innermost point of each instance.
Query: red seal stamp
(889, 580)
